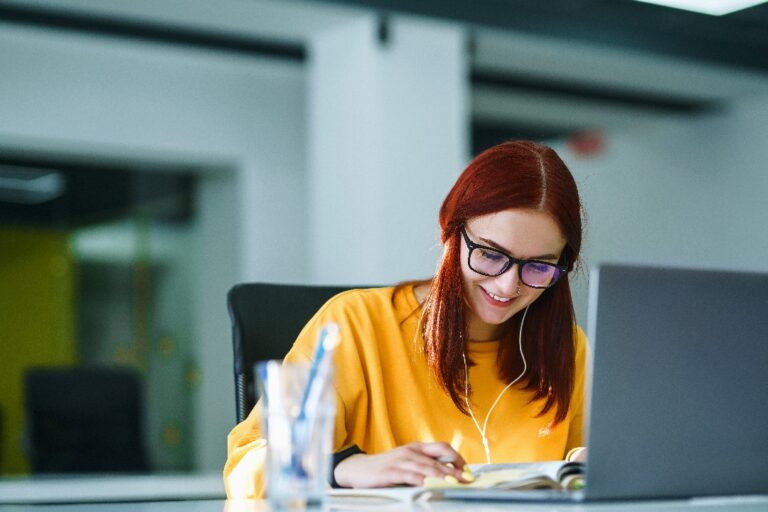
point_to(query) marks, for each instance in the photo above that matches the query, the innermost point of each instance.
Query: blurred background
(155, 152)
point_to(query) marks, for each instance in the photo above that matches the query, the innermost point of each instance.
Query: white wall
(239, 119)
(388, 134)
(685, 193)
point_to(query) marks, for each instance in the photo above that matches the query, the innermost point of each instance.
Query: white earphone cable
(484, 429)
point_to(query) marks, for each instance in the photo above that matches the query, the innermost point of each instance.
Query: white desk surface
(703, 505)
(205, 492)
(100, 488)
(744, 504)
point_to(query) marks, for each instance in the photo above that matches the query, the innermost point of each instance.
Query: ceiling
(739, 39)
(545, 69)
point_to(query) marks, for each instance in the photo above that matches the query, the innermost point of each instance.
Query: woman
(482, 363)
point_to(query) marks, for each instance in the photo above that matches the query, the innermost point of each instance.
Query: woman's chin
(491, 319)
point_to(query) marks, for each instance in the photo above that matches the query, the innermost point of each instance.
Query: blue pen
(317, 379)
(318, 372)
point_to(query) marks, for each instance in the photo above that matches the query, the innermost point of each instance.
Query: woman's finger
(401, 476)
(444, 453)
(577, 454)
(427, 466)
(450, 463)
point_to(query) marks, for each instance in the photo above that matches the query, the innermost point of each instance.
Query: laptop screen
(679, 383)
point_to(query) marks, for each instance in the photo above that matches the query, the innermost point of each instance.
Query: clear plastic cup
(299, 445)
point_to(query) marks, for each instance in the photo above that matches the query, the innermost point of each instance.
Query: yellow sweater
(386, 395)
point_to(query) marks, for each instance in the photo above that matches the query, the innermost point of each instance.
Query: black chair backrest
(84, 420)
(266, 319)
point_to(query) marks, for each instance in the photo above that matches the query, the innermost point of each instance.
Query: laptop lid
(679, 383)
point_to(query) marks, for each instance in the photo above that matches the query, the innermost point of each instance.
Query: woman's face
(523, 234)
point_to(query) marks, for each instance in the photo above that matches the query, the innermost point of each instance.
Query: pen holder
(299, 434)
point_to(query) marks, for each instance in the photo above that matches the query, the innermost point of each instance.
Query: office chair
(266, 319)
(84, 420)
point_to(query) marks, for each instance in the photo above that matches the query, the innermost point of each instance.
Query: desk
(100, 488)
(745, 504)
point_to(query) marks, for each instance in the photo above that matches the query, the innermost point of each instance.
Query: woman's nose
(509, 281)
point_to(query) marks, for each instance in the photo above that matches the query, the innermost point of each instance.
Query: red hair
(512, 175)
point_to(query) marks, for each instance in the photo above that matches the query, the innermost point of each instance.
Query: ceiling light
(714, 7)
(26, 185)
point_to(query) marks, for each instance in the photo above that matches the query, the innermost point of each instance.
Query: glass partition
(96, 269)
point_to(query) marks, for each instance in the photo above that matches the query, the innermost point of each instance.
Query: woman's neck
(479, 331)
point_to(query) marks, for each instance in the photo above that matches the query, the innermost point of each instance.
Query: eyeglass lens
(532, 273)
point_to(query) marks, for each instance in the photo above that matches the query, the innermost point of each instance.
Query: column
(388, 134)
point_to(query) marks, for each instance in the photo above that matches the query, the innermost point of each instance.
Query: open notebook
(552, 475)
(678, 386)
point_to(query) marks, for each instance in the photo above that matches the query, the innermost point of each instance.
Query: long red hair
(515, 174)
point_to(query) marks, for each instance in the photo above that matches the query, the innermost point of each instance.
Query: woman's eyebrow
(493, 244)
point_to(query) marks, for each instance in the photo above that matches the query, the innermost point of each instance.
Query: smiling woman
(491, 337)
(519, 196)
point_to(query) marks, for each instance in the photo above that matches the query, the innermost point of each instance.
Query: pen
(466, 471)
(327, 341)
(445, 459)
(319, 375)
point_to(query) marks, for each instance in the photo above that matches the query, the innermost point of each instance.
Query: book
(559, 475)
(523, 476)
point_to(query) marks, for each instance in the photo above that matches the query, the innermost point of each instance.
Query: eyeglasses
(492, 262)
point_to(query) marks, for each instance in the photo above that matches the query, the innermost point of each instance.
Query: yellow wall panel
(37, 322)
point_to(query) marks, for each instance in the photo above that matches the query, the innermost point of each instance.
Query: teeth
(496, 297)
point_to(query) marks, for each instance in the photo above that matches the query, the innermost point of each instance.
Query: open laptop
(679, 387)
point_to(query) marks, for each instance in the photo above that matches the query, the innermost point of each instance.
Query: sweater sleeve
(246, 457)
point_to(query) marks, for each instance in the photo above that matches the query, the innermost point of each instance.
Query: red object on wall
(586, 144)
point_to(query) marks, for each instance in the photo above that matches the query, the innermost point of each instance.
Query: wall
(686, 193)
(388, 134)
(38, 324)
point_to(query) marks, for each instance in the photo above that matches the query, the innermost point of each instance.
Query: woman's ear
(567, 258)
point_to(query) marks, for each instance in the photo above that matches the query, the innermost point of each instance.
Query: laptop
(679, 387)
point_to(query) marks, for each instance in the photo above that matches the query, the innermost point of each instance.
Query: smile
(497, 297)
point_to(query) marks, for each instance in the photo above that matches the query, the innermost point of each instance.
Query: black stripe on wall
(487, 134)
(153, 32)
(584, 91)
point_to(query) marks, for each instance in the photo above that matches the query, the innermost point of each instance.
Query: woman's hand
(407, 464)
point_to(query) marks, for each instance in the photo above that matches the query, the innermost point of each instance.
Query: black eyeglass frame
(511, 261)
